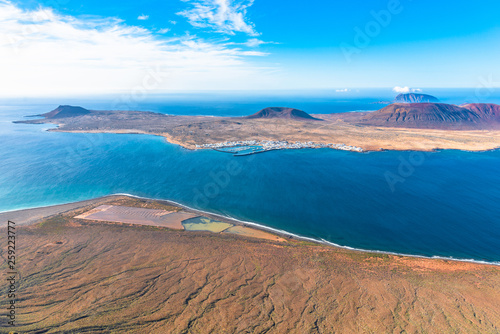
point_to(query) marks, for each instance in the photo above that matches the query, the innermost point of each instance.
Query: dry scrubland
(189, 131)
(81, 276)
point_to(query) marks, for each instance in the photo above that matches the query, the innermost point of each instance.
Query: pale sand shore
(248, 229)
(79, 277)
(129, 215)
(35, 215)
(367, 138)
(339, 128)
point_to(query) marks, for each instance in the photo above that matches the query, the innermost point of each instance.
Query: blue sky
(91, 47)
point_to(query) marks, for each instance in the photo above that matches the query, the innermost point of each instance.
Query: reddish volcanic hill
(285, 113)
(436, 116)
(484, 109)
(66, 111)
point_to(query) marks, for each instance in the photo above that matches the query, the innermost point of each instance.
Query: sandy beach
(98, 276)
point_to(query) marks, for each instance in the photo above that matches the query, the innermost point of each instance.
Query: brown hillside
(80, 276)
(485, 110)
(285, 113)
(432, 116)
(66, 111)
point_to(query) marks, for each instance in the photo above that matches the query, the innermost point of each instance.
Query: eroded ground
(189, 131)
(86, 276)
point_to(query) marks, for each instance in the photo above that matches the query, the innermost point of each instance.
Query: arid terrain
(341, 128)
(80, 275)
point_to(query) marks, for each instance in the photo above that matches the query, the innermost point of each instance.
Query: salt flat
(138, 216)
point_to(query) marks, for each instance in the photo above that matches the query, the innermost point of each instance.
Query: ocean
(444, 204)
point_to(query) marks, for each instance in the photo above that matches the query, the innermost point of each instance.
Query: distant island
(189, 271)
(398, 126)
(415, 98)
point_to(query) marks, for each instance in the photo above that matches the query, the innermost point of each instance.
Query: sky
(73, 47)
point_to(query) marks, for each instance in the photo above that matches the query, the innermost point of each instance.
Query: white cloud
(225, 16)
(406, 89)
(164, 30)
(44, 53)
(254, 42)
(345, 90)
(143, 17)
(251, 43)
(401, 90)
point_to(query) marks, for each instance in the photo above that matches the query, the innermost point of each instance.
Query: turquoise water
(437, 204)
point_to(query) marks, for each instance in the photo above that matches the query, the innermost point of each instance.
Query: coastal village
(269, 145)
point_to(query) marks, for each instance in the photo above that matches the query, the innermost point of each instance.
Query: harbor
(248, 147)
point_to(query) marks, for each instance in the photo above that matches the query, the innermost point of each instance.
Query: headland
(122, 264)
(399, 126)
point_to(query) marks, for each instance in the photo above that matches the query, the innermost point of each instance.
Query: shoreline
(193, 147)
(258, 226)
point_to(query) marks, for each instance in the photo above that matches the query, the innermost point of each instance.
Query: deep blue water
(440, 204)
